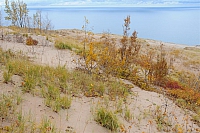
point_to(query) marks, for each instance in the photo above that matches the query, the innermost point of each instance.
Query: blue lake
(169, 24)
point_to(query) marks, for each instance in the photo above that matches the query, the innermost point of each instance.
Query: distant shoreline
(61, 6)
(147, 39)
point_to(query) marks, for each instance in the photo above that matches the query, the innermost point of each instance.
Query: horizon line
(108, 6)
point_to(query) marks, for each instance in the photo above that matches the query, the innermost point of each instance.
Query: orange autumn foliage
(190, 95)
(30, 41)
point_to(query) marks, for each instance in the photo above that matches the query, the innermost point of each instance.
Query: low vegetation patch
(91, 85)
(107, 119)
(189, 95)
(61, 45)
(68, 43)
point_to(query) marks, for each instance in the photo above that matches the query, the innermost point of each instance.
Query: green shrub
(107, 119)
(61, 45)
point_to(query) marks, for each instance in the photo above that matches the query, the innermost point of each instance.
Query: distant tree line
(17, 14)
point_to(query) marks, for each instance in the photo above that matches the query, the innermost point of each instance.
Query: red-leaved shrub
(30, 41)
(172, 85)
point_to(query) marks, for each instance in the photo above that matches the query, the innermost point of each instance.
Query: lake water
(169, 24)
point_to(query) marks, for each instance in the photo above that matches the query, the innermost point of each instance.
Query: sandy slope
(47, 55)
(79, 117)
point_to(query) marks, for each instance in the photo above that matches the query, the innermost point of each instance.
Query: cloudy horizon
(155, 3)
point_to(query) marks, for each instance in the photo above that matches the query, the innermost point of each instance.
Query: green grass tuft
(107, 119)
(61, 45)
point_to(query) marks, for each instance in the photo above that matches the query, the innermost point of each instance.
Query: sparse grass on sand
(115, 104)
(57, 86)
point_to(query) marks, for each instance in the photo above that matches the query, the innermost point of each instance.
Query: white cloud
(110, 2)
(1, 3)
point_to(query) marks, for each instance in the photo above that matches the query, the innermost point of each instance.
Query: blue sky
(110, 2)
